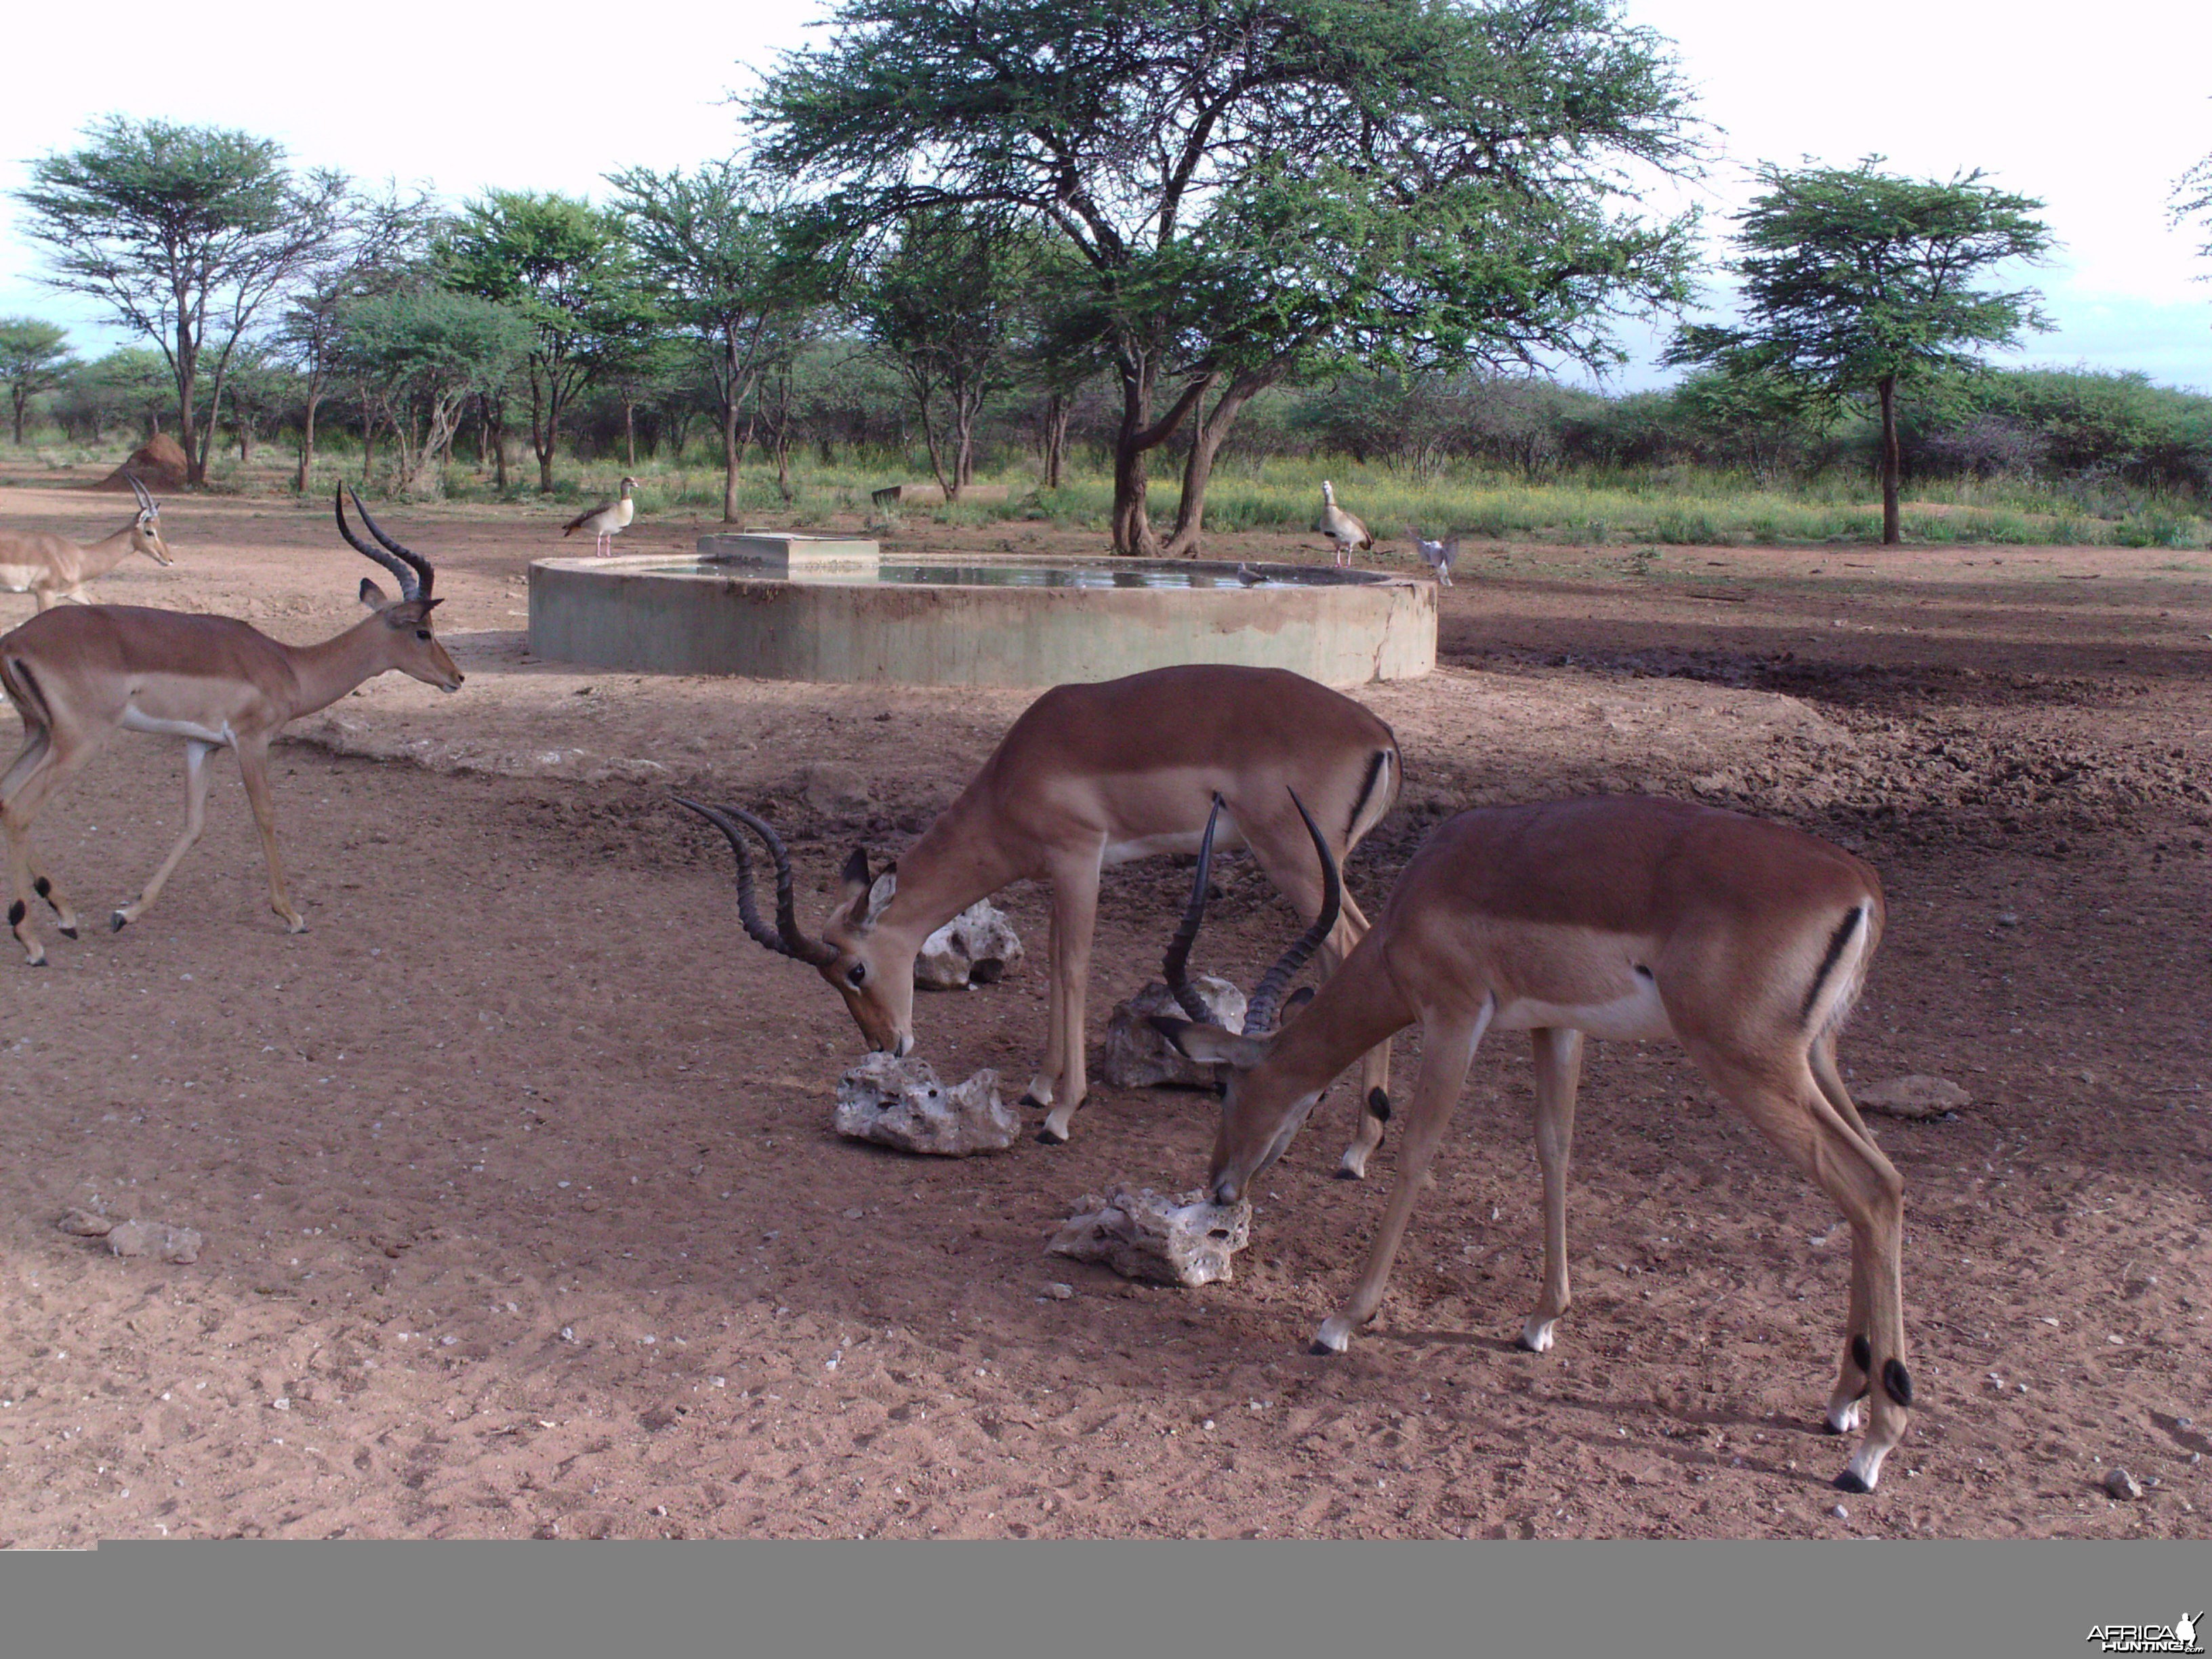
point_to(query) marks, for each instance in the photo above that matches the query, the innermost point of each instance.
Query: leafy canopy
(1852, 278)
(1394, 179)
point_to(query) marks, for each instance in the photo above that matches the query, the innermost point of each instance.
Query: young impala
(1092, 776)
(77, 677)
(51, 569)
(1744, 941)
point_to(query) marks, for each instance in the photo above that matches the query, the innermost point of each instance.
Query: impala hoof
(1346, 1172)
(117, 922)
(1031, 1101)
(1046, 1138)
(1848, 1481)
(66, 933)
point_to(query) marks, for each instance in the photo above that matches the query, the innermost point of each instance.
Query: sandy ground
(523, 1215)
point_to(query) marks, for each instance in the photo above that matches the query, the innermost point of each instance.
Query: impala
(1746, 942)
(1092, 776)
(78, 677)
(51, 569)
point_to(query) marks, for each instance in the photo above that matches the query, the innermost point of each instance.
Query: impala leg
(1372, 1109)
(1075, 912)
(1559, 1063)
(1845, 1401)
(1039, 1094)
(1795, 1114)
(253, 768)
(34, 776)
(1447, 1049)
(196, 787)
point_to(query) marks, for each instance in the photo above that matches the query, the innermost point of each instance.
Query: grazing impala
(51, 569)
(78, 677)
(1744, 941)
(1092, 776)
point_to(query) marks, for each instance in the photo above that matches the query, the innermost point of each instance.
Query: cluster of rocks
(134, 1237)
(1138, 1057)
(1142, 1234)
(900, 1103)
(979, 946)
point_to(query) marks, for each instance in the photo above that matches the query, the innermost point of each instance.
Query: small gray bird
(1438, 556)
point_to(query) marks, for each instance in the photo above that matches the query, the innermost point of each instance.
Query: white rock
(2122, 1485)
(1138, 1057)
(900, 1103)
(1913, 1097)
(979, 946)
(1142, 1234)
(179, 1244)
(86, 1224)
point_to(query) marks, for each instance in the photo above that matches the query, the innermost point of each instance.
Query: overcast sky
(2095, 112)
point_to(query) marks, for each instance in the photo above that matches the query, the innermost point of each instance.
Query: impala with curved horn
(1092, 776)
(51, 569)
(78, 677)
(1746, 942)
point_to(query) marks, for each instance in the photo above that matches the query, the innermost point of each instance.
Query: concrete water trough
(803, 608)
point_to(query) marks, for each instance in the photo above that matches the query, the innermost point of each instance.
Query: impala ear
(880, 894)
(1210, 1045)
(372, 595)
(1299, 997)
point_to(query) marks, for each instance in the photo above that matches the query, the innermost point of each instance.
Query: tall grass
(1666, 505)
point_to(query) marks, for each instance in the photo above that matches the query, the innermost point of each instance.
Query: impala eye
(422, 633)
(857, 975)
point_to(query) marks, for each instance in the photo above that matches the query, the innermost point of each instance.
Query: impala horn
(1178, 955)
(785, 938)
(412, 569)
(1266, 996)
(145, 501)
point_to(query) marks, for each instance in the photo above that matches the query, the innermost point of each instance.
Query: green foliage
(34, 357)
(417, 355)
(1854, 277)
(178, 229)
(1266, 187)
(565, 267)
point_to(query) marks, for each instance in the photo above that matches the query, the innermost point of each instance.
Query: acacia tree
(2191, 200)
(1856, 281)
(715, 247)
(943, 303)
(1260, 188)
(377, 241)
(34, 357)
(417, 356)
(179, 231)
(564, 266)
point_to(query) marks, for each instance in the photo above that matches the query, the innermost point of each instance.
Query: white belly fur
(1227, 838)
(1637, 1016)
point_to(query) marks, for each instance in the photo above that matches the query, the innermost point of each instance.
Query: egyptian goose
(1341, 528)
(605, 520)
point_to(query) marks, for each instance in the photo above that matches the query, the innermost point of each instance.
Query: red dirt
(523, 1215)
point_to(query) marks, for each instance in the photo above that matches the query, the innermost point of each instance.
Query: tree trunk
(541, 436)
(367, 445)
(1891, 534)
(21, 398)
(731, 455)
(307, 441)
(1206, 440)
(1056, 411)
(630, 432)
(1133, 440)
(187, 384)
